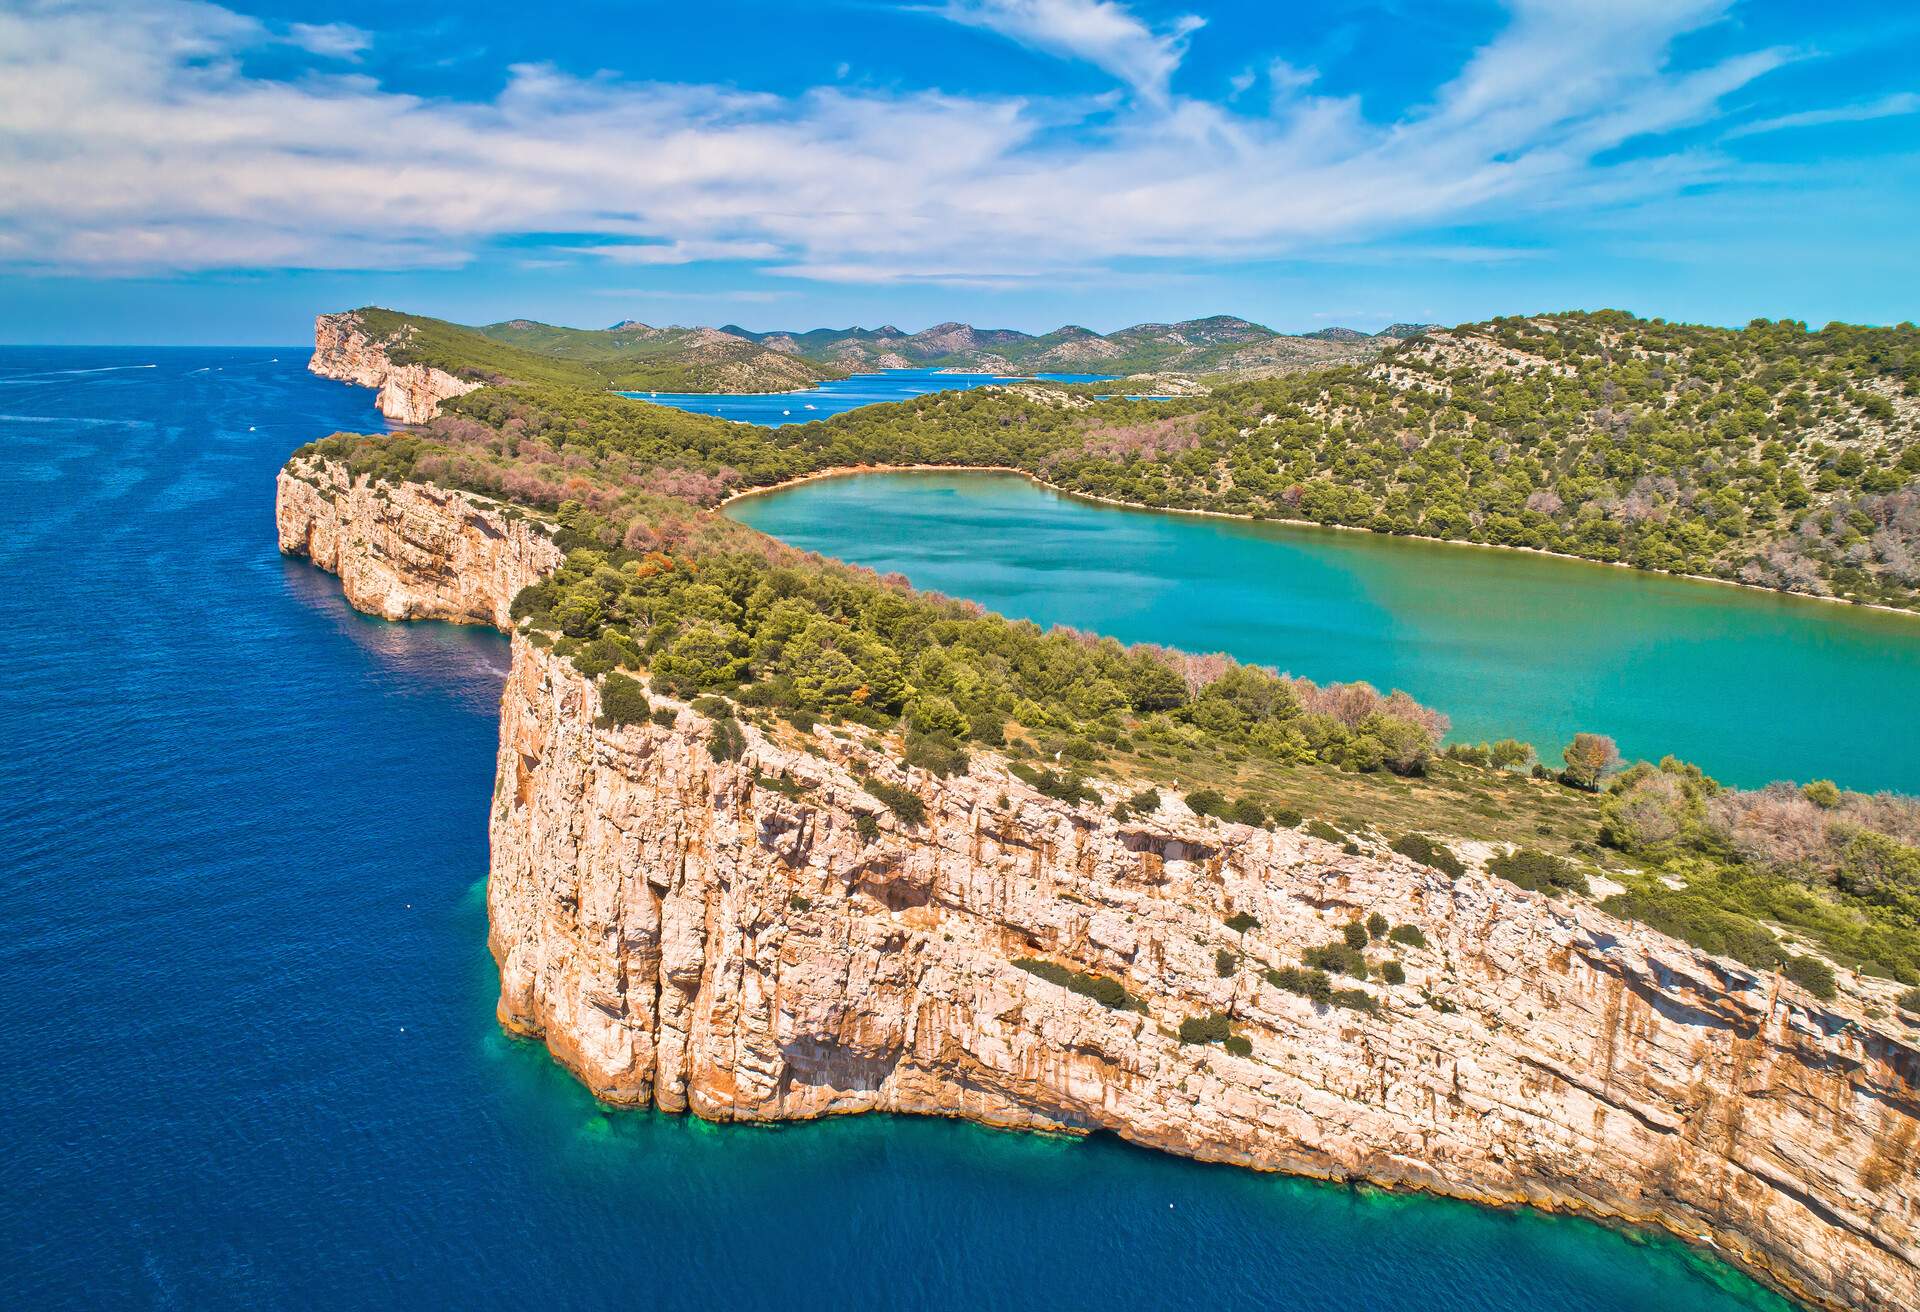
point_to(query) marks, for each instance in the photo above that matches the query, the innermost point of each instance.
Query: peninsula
(773, 838)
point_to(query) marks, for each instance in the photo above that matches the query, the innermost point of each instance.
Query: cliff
(411, 552)
(408, 393)
(722, 938)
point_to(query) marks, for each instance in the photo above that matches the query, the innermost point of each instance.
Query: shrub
(901, 801)
(1323, 831)
(1246, 811)
(1909, 1002)
(1145, 801)
(800, 902)
(1409, 935)
(865, 825)
(1355, 1000)
(1540, 872)
(1308, 983)
(1392, 972)
(1376, 925)
(1693, 920)
(666, 717)
(1225, 963)
(727, 742)
(1338, 959)
(1205, 1029)
(1285, 817)
(1239, 1045)
(1355, 933)
(1811, 974)
(937, 755)
(1109, 993)
(1240, 922)
(1062, 787)
(623, 700)
(1419, 847)
(1205, 801)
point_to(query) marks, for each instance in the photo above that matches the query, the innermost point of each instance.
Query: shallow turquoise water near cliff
(1752, 686)
(251, 1056)
(775, 409)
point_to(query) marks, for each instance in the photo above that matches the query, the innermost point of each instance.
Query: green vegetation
(631, 357)
(1541, 872)
(1337, 959)
(1309, 983)
(1109, 993)
(1240, 922)
(623, 700)
(1408, 935)
(1216, 1028)
(1393, 972)
(1225, 963)
(1427, 852)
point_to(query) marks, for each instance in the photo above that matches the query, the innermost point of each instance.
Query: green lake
(1752, 686)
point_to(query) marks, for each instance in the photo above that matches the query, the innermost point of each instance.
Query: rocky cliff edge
(762, 939)
(408, 393)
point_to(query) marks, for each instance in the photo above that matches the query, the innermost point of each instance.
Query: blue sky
(189, 171)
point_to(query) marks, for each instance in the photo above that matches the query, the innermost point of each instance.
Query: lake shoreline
(848, 471)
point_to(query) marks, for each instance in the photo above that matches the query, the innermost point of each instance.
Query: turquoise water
(1752, 686)
(252, 1059)
(837, 395)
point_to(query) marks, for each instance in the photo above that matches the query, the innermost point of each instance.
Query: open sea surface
(252, 1060)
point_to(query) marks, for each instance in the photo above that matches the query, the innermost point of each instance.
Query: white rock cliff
(408, 393)
(695, 935)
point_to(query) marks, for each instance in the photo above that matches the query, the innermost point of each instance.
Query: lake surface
(1752, 686)
(774, 409)
(252, 1059)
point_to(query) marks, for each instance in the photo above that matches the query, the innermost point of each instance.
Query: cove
(835, 396)
(252, 1058)
(1751, 686)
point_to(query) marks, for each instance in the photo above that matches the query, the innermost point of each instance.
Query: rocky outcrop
(408, 393)
(409, 551)
(763, 939)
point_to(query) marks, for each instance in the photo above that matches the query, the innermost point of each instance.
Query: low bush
(1410, 935)
(939, 756)
(1240, 922)
(1325, 832)
(1308, 983)
(1338, 959)
(1539, 872)
(1285, 817)
(1392, 972)
(1109, 993)
(1239, 1045)
(623, 700)
(1811, 974)
(1355, 1000)
(1355, 933)
(903, 802)
(1909, 1002)
(1419, 847)
(728, 741)
(1205, 1029)
(1376, 925)
(1225, 963)
(1061, 787)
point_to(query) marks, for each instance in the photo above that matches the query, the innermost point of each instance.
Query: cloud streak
(159, 151)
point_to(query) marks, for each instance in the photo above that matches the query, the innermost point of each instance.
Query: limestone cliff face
(408, 393)
(721, 938)
(411, 552)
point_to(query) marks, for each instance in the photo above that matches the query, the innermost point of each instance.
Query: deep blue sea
(836, 395)
(251, 1059)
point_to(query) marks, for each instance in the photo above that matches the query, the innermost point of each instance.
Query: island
(774, 838)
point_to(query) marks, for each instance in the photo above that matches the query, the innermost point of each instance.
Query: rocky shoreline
(761, 939)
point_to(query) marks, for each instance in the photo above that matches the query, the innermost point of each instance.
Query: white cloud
(330, 40)
(158, 151)
(1894, 106)
(1103, 33)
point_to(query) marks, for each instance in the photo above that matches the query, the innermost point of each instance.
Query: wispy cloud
(160, 151)
(1103, 33)
(1894, 106)
(330, 40)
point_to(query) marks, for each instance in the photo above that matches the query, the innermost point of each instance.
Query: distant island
(775, 838)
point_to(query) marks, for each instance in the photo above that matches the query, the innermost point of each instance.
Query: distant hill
(629, 356)
(1221, 343)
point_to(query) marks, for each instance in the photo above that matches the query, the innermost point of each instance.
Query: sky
(187, 171)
